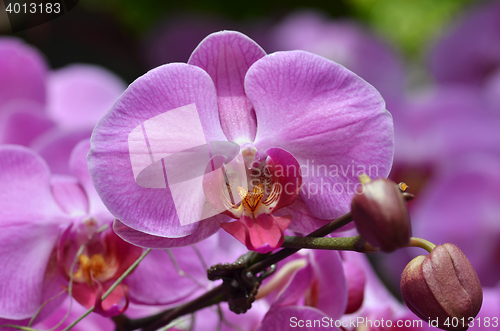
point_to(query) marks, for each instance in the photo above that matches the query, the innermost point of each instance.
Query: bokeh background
(436, 63)
(113, 33)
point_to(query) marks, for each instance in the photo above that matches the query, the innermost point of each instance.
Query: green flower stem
(115, 284)
(25, 328)
(356, 243)
(422, 243)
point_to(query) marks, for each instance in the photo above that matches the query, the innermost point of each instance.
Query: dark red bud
(442, 286)
(379, 211)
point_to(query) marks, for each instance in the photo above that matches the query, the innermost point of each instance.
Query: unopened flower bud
(442, 287)
(380, 214)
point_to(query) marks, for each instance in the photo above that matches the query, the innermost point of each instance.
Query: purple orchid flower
(316, 292)
(50, 111)
(345, 42)
(23, 92)
(287, 108)
(444, 139)
(379, 310)
(45, 219)
(93, 322)
(436, 126)
(451, 62)
(77, 96)
(460, 205)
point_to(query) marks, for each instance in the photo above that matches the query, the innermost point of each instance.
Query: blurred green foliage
(409, 24)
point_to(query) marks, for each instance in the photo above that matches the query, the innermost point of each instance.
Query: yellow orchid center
(94, 267)
(251, 200)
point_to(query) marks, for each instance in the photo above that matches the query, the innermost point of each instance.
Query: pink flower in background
(93, 322)
(318, 291)
(50, 111)
(347, 43)
(447, 145)
(461, 204)
(22, 92)
(378, 304)
(296, 103)
(436, 125)
(469, 53)
(44, 221)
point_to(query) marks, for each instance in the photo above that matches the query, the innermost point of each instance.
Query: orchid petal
(120, 251)
(157, 280)
(21, 122)
(69, 195)
(56, 145)
(79, 95)
(209, 318)
(345, 42)
(261, 234)
(292, 317)
(285, 171)
(109, 307)
(226, 56)
(451, 62)
(299, 283)
(3, 322)
(78, 167)
(331, 280)
(30, 221)
(90, 295)
(356, 279)
(93, 322)
(23, 72)
(333, 119)
(113, 156)
(305, 221)
(205, 230)
(476, 191)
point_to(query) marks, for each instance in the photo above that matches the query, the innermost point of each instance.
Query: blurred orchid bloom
(447, 145)
(377, 303)
(23, 92)
(50, 111)
(78, 95)
(46, 219)
(347, 43)
(461, 204)
(334, 119)
(474, 64)
(317, 291)
(93, 322)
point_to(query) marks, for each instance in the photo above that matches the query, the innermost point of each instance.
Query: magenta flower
(475, 63)
(318, 291)
(288, 108)
(22, 92)
(447, 146)
(378, 303)
(468, 211)
(77, 96)
(50, 111)
(44, 221)
(93, 322)
(347, 43)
